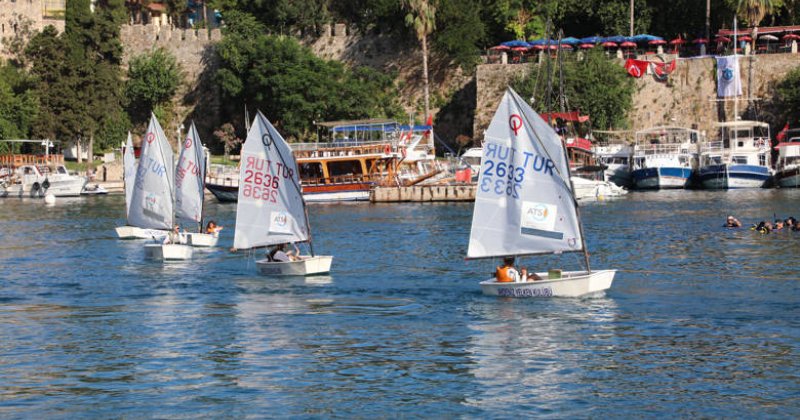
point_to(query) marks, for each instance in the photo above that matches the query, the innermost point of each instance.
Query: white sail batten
(129, 172)
(152, 198)
(189, 176)
(524, 203)
(270, 208)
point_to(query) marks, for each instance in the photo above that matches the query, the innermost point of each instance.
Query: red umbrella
(538, 47)
(500, 48)
(700, 41)
(677, 41)
(609, 44)
(519, 49)
(745, 38)
(586, 46)
(789, 37)
(628, 44)
(566, 47)
(657, 42)
(722, 39)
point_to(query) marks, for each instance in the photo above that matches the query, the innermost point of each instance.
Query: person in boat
(732, 222)
(174, 236)
(279, 254)
(212, 228)
(507, 273)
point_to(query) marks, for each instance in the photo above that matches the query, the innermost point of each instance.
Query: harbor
(92, 329)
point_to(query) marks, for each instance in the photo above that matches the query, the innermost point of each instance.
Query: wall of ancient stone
(32, 10)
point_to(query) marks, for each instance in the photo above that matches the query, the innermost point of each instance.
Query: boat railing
(337, 180)
(15, 160)
(341, 149)
(658, 149)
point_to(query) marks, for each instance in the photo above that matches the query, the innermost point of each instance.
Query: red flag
(636, 68)
(782, 134)
(661, 69)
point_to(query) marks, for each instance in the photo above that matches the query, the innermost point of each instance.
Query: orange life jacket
(504, 274)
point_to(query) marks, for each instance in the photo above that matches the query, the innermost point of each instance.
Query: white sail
(189, 176)
(151, 201)
(129, 172)
(270, 209)
(524, 203)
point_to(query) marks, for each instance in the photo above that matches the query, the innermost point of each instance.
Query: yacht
(787, 168)
(664, 157)
(39, 180)
(740, 158)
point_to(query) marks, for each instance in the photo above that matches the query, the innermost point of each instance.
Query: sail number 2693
(501, 178)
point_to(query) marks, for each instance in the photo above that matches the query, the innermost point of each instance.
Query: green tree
(787, 98)
(18, 103)
(153, 79)
(421, 17)
(595, 86)
(461, 32)
(754, 11)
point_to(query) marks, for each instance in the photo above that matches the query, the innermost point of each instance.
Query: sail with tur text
(270, 208)
(152, 198)
(524, 203)
(189, 178)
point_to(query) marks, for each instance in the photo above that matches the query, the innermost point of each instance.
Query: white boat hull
(132, 232)
(591, 189)
(319, 264)
(167, 252)
(571, 284)
(201, 239)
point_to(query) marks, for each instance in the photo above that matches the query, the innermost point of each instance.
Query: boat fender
(46, 184)
(387, 150)
(35, 187)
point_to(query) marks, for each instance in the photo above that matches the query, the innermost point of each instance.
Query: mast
(202, 183)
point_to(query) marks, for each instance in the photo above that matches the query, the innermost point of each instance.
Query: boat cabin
(666, 146)
(739, 143)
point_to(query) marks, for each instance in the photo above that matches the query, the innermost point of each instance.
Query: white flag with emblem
(728, 81)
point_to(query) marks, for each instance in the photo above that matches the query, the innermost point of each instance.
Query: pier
(423, 193)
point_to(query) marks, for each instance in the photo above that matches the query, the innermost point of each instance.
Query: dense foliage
(787, 99)
(18, 104)
(291, 85)
(594, 86)
(153, 79)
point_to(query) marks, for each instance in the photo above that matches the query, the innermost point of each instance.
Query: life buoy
(387, 150)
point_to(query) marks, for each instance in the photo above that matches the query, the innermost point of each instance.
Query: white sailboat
(525, 204)
(129, 177)
(189, 186)
(270, 208)
(152, 199)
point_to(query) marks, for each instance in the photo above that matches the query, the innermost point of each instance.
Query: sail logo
(266, 140)
(280, 223)
(188, 143)
(727, 74)
(515, 122)
(150, 137)
(539, 219)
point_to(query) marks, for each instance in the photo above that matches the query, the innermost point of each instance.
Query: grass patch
(220, 160)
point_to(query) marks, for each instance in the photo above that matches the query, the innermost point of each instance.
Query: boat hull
(572, 284)
(586, 189)
(319, 264)
(716, 177)
(132, 232)
(167, 252)
(661, 178)
(311, 193)
(788, 178)
(201, 239)
(224, 193)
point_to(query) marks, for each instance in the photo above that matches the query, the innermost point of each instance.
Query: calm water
(703, 321)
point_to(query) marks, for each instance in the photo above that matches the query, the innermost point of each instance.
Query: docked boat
(270, 209)
(787, 168)
(152, 204)
(533, 212)
(129, 231)
(740, 158)
(665, 157)
(616, 157)
(40, 180)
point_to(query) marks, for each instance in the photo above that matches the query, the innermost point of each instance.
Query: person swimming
(732, 222)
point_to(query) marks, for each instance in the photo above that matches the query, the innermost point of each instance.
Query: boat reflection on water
(532, 354)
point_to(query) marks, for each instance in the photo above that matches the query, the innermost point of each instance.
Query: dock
(423, 193)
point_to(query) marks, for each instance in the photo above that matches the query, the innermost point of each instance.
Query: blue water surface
(701, 321)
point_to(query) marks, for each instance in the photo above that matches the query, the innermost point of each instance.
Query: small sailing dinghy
(129, 177)
(189, 185)
(152, 200)
(270, 208)
(525, 204)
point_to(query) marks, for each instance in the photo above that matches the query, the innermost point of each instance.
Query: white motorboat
(787, 173)
(319, 264)
(95, 189)
(616, 157)
(590, 189)
(535, 211)
(39, 180)
(270, 209)
(665, 157)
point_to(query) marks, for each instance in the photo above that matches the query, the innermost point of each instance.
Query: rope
(684, 274)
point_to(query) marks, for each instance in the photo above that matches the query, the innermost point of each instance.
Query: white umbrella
(768, 37)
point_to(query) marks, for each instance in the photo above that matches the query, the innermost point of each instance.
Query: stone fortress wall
(40, 12)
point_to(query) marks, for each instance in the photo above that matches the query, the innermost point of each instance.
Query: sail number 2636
(502, 178)
(260, 186)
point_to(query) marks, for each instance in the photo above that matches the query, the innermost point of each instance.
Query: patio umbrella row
(621, 42)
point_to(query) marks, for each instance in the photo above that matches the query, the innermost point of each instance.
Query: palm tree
(422, 17)
(754, 11)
